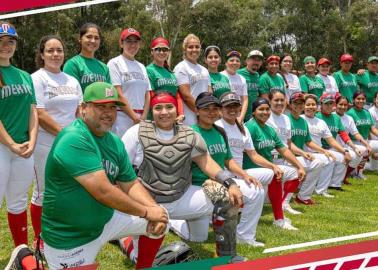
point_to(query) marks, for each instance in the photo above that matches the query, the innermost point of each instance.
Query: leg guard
(225, 218)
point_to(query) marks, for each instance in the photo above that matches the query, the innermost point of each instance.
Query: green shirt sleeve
(126, 171)
(303, 83)
(77, 154)
(263, 85)
(71, 69)
(151, 77)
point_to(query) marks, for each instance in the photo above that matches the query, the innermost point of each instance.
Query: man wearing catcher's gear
(163, 153)
(82, 208)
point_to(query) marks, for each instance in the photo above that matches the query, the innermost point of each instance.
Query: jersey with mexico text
(87, 70)
(334, 124)
(219, 84)
(71, 217)
(17, 96)
(300, 133)
(312, 85)
(253, 91)
(368, 83)
(268, 83)
(347, 84)
(364, 121)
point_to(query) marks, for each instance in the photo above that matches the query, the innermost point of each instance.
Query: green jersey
(252, 89)
(364, 121)
(265, 139)
(161, 79)
(368, 83)
(87, 70)
(71, 217)
(268, 83)
(17, 96)
(300, 133)
(219, 83)
(218, 149)
(347, 84)
(312, 85)
(334, 124)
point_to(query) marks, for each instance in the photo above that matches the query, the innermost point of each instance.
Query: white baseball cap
(255, 53)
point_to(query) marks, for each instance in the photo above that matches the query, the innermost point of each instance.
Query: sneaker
(287, 208)
(252, 243)
(305, 202)
(283, 224)
(127, 248)
(237, 259)
(327, 195)
(359, 175)
(18, 254)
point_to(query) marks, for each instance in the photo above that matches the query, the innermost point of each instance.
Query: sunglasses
(161, 49)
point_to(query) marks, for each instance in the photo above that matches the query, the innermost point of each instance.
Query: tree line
(322, 28)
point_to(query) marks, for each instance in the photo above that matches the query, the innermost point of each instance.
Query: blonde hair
(186, 41)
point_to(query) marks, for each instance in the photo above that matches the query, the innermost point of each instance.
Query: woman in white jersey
(240, 141)
(324, 66)
(58, 96)
(374, 113)
(360, 148)
(319, 131)
(238, 82)
(282, 125)
(192, 78)
(131, 81)
(291, 80)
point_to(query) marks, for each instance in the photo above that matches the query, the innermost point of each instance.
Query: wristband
(224, 178)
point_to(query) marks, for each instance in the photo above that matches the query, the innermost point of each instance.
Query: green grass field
(354, 211)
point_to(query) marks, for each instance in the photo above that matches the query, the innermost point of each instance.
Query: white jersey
(60, 95)
(135, 149)
(236, 140)
(132, 77)
(294, 85)
(198, 79)
(237, 82)
(350, 127)
(330, 83)
(282, 125)
(374, 113)
(318, 130)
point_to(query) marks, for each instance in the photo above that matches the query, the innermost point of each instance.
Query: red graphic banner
(363, 255)
(8, 6)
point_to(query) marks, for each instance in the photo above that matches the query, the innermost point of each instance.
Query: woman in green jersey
(84, 66)
(365, 124)
(310, 83)
(160, 76)
(18, 132)
(219, 82)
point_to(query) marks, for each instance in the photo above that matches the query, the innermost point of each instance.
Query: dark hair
(222, 132)
(340, 98)
(282, 56)
(41, 47)
(376, 95)
(356, 94)
(84, 29)
(275, 91)
(311, 96)
(2, 82)
(212, 48)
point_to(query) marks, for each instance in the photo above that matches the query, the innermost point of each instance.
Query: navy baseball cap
(206, 99)
(8, 30)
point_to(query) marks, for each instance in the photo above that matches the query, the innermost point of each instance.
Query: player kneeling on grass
(163, 153)
(265, 140)
(82, 209)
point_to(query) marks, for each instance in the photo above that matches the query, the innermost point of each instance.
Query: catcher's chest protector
(166, 167)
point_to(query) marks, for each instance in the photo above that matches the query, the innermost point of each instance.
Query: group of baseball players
(123, 152)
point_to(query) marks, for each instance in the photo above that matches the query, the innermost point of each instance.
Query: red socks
(147, 249)
(36, 215)
(275, 197)
(18, 225)
(290, 187)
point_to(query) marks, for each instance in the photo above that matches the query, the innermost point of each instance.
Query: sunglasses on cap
(161, 49)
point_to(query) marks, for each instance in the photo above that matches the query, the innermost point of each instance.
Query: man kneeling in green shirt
(82, 208)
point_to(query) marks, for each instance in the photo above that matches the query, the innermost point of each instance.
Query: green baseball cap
(101, 92)
(372, 58)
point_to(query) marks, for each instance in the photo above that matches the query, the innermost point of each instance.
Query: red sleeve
(344, 136)
(180, 106)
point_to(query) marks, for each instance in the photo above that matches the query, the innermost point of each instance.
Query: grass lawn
(354, 211)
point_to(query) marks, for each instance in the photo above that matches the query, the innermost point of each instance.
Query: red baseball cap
(327, 98)
(323, 61)
(129, 32)
(346, 57)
